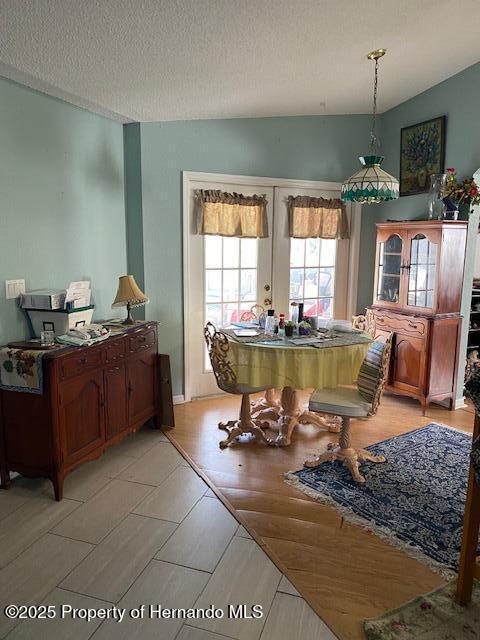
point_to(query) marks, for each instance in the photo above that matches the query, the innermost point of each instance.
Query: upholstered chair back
(373, 374)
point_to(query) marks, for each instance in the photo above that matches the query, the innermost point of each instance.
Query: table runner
(21, 370)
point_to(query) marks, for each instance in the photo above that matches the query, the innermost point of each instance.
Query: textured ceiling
(153, 60)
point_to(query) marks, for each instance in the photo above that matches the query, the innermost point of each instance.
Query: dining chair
(365, 322)
(254, 313)
(350, 402)
(218, 346)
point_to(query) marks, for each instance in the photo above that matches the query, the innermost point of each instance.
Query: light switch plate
(14, 288)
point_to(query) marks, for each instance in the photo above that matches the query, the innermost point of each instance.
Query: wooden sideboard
(92, 398)
(417, 296)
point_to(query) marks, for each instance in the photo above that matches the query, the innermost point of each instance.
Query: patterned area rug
(435, 616)
(414, 501)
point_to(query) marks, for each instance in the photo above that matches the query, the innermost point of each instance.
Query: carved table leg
(270, 399)
(345, 453)
(245, 424)
(289, 415)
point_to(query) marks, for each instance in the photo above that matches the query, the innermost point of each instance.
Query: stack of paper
(79, 293)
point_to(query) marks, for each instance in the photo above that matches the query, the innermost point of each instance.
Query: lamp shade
(370, 183)
(129, 293)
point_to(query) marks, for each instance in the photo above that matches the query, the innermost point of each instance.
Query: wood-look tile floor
(345, 573)
(139, 527)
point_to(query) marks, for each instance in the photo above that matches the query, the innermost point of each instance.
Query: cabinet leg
(4, 476)
(424, 404)
(57, 482)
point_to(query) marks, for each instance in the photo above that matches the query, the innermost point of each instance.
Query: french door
(225, 277)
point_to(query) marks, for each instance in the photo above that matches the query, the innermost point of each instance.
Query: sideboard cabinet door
(82, 421)
(116, 399)
(409, 360)
(142, 385)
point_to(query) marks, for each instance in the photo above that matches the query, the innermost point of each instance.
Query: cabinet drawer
(116, 351)
(400, 323)
(77, 364)
(142, 341)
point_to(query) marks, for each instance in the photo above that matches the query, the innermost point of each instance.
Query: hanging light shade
(371, 183)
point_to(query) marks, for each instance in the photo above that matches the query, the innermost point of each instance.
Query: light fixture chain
(373, 132)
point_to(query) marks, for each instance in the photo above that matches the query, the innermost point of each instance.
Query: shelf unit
(474, 321)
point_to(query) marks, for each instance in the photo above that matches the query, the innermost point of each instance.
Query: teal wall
(459, 99)
(133, 207)
(62, 213)
(308, 148)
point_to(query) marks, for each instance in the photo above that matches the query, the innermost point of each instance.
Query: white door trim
(194, 176)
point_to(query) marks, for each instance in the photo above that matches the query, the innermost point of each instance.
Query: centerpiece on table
(460, 196)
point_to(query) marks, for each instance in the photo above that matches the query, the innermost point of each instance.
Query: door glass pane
(312, 274)
(230, 285)
(248, 285)
(421, 281)
(214, 314)
(213, 252)
(296, 284)
(248, 252)
(389, 269)
(326, 281)
(297, 252)
(329, 249)
(312, 255)
(231, 252)
(311, 283)
(213, 289)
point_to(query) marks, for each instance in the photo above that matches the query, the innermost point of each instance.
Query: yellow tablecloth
(277, 366)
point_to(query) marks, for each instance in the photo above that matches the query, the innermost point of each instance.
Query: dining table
(283, 367)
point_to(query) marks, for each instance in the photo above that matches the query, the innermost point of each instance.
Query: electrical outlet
(14, 288)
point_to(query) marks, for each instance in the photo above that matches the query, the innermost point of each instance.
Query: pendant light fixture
(371, 183)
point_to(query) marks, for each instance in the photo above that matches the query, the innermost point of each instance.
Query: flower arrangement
(466, 192)
(304, 328)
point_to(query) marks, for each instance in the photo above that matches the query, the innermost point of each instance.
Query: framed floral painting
(422, 152)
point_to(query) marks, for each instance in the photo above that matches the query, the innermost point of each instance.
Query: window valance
(317, 218)
(231, 214)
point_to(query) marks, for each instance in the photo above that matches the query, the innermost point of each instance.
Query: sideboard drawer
(116, 351)
(142, 341)
(77, 364)
(398, 323)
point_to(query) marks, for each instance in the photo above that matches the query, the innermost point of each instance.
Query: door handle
(267, 302)
(267, 287)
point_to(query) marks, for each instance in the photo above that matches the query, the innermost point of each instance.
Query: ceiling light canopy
(371, 184)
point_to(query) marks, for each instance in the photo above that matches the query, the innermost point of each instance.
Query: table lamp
(129, 295)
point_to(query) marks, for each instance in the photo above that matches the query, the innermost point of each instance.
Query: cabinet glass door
(389, 269)
(422, 270)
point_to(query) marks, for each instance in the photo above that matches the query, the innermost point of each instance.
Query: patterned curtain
(231, 214)
(317, 218)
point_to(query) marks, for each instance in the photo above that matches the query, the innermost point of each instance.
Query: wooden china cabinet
(417, 296)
